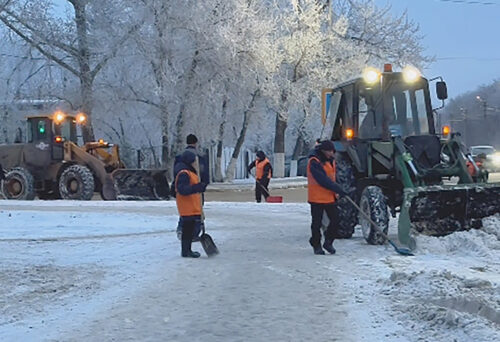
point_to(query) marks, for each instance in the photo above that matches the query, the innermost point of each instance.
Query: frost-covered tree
(82, 44)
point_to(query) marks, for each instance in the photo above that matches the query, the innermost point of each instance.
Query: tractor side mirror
(441, 90)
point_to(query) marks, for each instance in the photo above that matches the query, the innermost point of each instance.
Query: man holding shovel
(188, 199)
(263, 173)
(322, 192)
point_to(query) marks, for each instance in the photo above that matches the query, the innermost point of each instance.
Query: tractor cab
(378, 106)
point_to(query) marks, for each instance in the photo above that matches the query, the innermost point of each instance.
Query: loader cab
(46, 129)
(389, 107)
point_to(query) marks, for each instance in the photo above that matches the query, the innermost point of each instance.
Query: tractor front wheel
(373, 203)
(76, 183)
(18, 185)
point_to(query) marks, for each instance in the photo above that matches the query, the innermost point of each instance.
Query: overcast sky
(463, 35)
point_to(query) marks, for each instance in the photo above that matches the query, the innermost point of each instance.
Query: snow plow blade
(140, 184)
(439, 210)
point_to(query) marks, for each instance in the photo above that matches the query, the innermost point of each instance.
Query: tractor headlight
(371, 75)
(411, 74)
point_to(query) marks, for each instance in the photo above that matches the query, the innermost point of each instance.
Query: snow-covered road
(111, 271)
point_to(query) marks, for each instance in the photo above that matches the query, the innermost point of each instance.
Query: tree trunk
(218, 160)
(241, 138)
(86, 78)
(179, 125)
(279, 145)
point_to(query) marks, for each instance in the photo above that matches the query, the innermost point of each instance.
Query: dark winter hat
(188, 157)
(327, 145)
(261, 155)
(191, 139)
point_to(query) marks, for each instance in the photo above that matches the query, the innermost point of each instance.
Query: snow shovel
(206, 240)
(269, 198)
(400, 250)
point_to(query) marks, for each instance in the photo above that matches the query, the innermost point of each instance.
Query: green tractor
(390, 159)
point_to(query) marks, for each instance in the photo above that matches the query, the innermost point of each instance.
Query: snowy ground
(111, 271)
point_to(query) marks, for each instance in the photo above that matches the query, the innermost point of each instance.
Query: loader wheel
(76, 183)
(373, 202)
(19, 184)
(348, 215)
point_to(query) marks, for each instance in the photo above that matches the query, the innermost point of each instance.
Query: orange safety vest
(188, 205)
(472, 169)
(259, 168)
(315, 192)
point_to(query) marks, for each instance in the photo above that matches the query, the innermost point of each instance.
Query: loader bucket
(439, 210)
(140, 184)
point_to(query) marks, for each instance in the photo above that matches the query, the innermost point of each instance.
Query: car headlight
(496, 158)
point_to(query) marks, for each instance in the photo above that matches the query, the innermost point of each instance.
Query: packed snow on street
(112, 271)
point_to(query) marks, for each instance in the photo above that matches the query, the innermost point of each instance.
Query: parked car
(492, 162)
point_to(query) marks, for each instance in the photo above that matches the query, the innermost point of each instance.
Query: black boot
(317, 249)
(187, 238)
(191, 254)
(328, 245)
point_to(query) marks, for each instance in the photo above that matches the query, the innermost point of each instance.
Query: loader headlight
(58, 117)
(410, 74)
(371, 75)
(81, 118)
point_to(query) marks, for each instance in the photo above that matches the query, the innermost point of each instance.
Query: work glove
(341, 193)
(200, 187)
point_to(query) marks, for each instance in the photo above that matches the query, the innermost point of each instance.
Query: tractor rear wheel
(373, 203)
(76, 183)
(19, 184)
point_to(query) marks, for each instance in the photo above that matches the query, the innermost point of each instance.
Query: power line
(481, 59)
(470, 2)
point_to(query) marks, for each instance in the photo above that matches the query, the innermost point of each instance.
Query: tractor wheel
(373, 203)
(19, 184)
(348, 214)
(76, 183)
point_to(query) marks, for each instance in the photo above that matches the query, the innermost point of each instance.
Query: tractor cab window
(370, 117)
(407, 114)
(398, 109)
(66, 129)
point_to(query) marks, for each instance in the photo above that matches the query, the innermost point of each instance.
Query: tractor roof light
(58, 117)
(81, 118)
(371, 75)
(446, 130)
(411, 74)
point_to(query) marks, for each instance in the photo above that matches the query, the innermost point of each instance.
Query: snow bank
(451, 289)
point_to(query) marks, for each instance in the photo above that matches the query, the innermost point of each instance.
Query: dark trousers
(188, 225)
(317, 216)
(259, 191)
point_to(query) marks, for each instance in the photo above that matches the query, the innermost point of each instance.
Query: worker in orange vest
(263, 174)
(322, 192)
(188, 198)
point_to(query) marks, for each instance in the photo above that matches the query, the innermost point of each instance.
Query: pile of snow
(451, 287)
(484, 242)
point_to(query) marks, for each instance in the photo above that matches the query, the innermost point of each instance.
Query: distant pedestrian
(322, 194)
(263, 174)
(188, 198)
